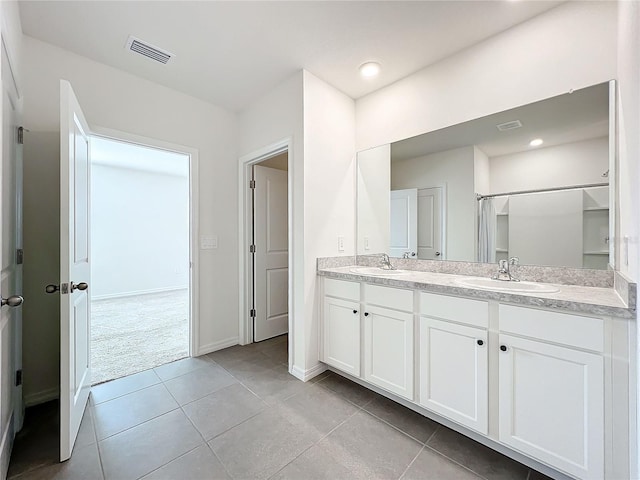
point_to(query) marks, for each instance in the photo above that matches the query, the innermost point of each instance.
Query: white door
(271, 258)
(552, 405)
(11, 266)
(75, 368)
(448, 351)
(388, 350)
(341, 334)
(404, 222)
(430, 218)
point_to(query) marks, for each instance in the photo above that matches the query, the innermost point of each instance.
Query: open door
(11, 413)
(75, 368)
(403, 223)
(271, 253)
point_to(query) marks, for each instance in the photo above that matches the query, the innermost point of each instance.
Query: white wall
(275, 117)
(455, 170)
(120, 101)
(481, 171)
(320, 122)
(577, 163)
(628, 76)
(373, 208)
(569, 47)
(329, 180)
(139, 231)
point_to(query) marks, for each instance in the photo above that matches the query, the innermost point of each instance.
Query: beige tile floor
(238, 414)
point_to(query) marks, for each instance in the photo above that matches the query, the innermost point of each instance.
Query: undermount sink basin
(502, 286)
(375, 271)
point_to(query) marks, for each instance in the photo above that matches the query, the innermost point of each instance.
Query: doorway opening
(140, 254)
(262, 285)
(270, 247)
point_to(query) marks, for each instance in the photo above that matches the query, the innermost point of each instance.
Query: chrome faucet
(385, 263)
(504, 272)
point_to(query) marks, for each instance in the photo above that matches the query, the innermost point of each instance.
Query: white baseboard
(214, 346)
(137, 292)
(308, 374)
(41, 396)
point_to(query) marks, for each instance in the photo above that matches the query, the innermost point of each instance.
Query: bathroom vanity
(542, 376)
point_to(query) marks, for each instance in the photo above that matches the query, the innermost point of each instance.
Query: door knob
(51, 288)
(79, 286)
(12, 301)
(437, 254)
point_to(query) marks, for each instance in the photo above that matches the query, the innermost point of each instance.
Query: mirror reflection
(531, 182)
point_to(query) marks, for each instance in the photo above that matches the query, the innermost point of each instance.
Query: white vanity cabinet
(341, 325)
(454, 368)
(551, 388)
(541, 384)
(388, 339)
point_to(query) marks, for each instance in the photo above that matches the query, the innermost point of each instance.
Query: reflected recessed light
(536, 142)
(369, 69)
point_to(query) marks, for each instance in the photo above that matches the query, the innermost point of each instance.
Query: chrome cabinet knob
(12, 301)
(51, 288)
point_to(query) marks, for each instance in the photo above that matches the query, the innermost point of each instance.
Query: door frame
(245, 332)
(194, 290)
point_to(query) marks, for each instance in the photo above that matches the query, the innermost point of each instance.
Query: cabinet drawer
(388, 297)
(461, 310)
(563, 328)
(342, 289)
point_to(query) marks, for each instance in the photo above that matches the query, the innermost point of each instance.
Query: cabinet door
(388, 350)
(454, 372)
(552, 405)
(341, 330)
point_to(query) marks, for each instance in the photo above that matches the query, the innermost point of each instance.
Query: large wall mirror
(531, 182)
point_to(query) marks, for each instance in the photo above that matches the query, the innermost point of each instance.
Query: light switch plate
(366, 243)
(208, 242)
(340, 243)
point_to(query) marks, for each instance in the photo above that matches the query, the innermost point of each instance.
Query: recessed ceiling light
(369, 69)
(536, 142)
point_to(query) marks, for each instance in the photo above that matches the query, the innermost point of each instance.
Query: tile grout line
(456, 462)
(411, 463)
(165, 464)
(95, 436)
(358, 409)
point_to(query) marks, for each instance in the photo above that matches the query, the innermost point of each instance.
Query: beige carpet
(132, 334)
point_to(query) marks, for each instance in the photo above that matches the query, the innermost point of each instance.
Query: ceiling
(230, 53)
(572, 117)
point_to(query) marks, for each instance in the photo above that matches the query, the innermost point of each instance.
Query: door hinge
(20, 136)
(19, 256)
(18, 377)
(252, 184)
(252, 313)
(252, 249)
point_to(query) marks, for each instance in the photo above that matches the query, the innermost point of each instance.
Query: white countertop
(571, 298)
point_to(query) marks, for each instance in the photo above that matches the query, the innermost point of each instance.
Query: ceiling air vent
(154, 53)
(503, 127)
